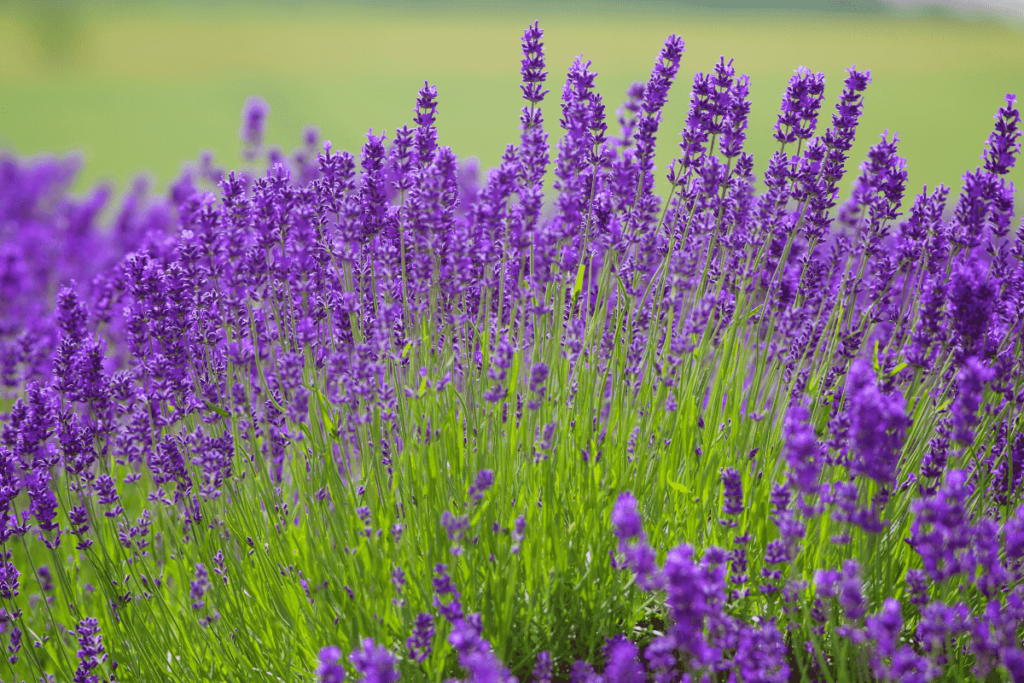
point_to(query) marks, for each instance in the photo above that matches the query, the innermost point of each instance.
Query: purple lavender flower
(686, 599)
(542, 671)
(1013, 528)
(107, 495)
(973, 377)
(884, 629)
(800, 105)
(15, 646)
(972, 295)
(254, 125)
(78, 516)
(425, 137)
(443, 585)
(71, 315)
(10, 577)
(538, 375)
(455, 527)
(931, 328)
(1013, 660)
(623, 663)
(626, 519)
(483, 483)
(375, 663)
(941, 533)
(1003, 144)
(465, 636)
(877, 425)
(329, 670)
(45, 578)
(639, 556)
(533, 72)
(802, 451)
(518, 534)
(939, 620)
(43, 503)
(851, 596)
(533, 149)
(583, 672)
(90, 650)
(655, 95)
(199, 586)
(732, 495)
(483, 666)
(838, 140)
(372, 190)
(917, 585)
(666, 66)
(879, 189)
(420, 643)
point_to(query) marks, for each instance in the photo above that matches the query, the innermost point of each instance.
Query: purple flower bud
(732, 495)
(686, 597)
(583, 672)
(420, 643)
(483, 483)
(199, 586)
(1003, 144)
(884, 627)
(10, 577)
(851, 596)
(973, 377)
(917, 583)
(626, 519)
(800, 105)
(90, 650)
(941, 533)
(623, 663)
(878, 423)
(455, 528)
(938, 621)
(971, 297)
(329, 670)
(45, 579)
(538, 375)
(518, 534)
(375, 663)
(425, 115)
(802, 450)
(542, 671)
(42, 500)
(254, 124)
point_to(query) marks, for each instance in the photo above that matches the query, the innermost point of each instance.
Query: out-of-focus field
(143, 87)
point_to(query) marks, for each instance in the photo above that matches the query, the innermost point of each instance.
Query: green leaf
(681, 488)
(215, 408)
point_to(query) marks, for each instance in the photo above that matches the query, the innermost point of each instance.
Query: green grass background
(143, 87)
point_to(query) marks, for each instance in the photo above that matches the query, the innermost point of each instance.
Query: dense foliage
(381, 407)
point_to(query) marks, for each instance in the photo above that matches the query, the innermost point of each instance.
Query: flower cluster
(376, 403)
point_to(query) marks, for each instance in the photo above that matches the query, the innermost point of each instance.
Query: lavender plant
(381, 418)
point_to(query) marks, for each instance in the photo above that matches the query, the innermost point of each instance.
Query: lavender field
(381, 416)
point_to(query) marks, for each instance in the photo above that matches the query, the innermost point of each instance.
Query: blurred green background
(147, 85)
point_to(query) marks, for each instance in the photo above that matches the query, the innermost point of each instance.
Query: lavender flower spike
(254, 125)
(974, 375)
(375, 662)
(1003, 144)
(329, 671)
(877, 425)
(800, 105)
(626, 519)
